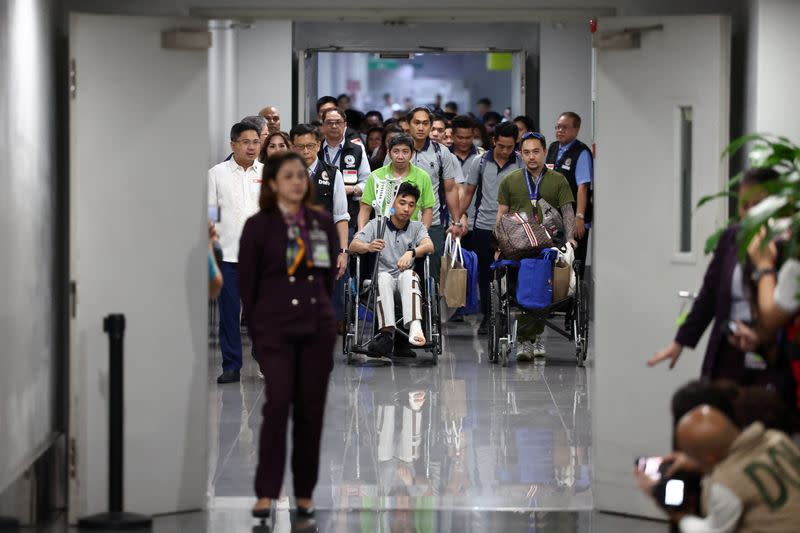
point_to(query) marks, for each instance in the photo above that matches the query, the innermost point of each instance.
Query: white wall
(773, 77)
(565, 76)
(264, 54)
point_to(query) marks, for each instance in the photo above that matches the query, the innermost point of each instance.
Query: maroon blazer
(713, 304)
(274, 302)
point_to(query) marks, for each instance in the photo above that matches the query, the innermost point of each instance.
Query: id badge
(320, 253)
(255, 186)
(753, 361)
(350, 177)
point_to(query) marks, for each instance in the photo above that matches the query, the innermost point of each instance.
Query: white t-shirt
(787, 288)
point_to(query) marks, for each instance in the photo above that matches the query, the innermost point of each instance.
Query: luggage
(518, 238)
(535, 281)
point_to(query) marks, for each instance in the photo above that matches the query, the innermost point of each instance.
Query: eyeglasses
(303, 147)
(248, 142)
(336, 123)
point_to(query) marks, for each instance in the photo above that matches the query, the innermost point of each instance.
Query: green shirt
(553, 189)
(416, 176)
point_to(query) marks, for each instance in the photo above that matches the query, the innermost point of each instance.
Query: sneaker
(525, 351)
(382, 345)
(538, 348)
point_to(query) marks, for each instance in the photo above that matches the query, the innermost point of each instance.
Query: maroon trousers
(296, 370)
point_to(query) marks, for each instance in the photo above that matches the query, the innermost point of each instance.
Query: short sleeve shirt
(416, 176)
(786, 292)
(430, 161)
(398, 242)
(493, 176)
(553, 189)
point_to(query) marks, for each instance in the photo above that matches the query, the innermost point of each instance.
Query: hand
(763, 257)
(377, 245)
(496, 255)
(341, 265)
(745, 338)
(681, 463)
(212, 233)
(645, 482)
(671, 353)
(580, 228)
(405, 261)
(454, 230)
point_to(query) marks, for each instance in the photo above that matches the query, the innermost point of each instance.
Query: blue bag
(535, 281)
(471, 264)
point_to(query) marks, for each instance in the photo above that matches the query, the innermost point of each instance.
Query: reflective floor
(463, 435)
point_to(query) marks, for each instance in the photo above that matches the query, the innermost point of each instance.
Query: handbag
(535, 281)
(453, 275)
(518, 238)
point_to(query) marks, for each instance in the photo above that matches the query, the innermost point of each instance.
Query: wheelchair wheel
(495, 323)
(436, 323)
(581, 318)
(347, 338)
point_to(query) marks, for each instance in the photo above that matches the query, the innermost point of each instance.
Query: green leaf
(722, 194)
(737, 144)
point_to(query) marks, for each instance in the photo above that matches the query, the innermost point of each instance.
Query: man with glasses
(234, 186)
(273, 118)
(573, 159)
(328, 185)
(521, 192)
(326, 103)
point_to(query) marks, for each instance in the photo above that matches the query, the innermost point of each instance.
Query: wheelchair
(504, 310)
(360, 317)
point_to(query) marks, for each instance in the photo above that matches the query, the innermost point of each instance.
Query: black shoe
(381, 345)
(403, 348)
(456, 318)
(305, 512)
(483, 329)
(263, 514)
(229, 376)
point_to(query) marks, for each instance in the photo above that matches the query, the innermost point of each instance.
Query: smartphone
(214, 213)
(650, 466)
(674, 493)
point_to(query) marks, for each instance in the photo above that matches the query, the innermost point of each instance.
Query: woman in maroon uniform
(287, 260)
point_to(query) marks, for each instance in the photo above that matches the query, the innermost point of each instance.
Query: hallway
(463, 435)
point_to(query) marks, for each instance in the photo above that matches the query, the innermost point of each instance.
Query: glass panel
(686, 179)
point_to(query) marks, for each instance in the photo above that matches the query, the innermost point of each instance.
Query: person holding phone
(287, 269)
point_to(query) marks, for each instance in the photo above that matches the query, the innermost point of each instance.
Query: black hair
(528, 121)
(485, 101)
(403, 139)
(343, 95)
(326, 100)
(451, 104)
(576, 118)
(759, 175)
(333, 110)
(303, 129)
(492, 115)
(506, 129)
(374, 113)
(241, 127)
(534, 135)
(701, 392)
(373, 129)
(417, 109)
(464, 122)
(408, 189)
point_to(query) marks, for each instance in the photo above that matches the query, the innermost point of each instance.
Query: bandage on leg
(415, 335)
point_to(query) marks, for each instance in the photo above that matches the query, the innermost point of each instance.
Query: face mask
(477, 142)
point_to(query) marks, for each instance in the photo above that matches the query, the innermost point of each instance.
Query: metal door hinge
(73, 298)
(73, 458)
(73, 79)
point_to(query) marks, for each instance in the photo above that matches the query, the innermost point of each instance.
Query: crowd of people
(735, 466)
(291, 208)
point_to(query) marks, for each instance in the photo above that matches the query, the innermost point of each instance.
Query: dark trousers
(296, 371)
(480, 242)
(436, 233)
(583, 249)
(230, 338)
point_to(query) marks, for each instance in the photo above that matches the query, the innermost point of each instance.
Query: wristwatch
(344, 251)
(761, 272)
(579, 215)
(413, 252)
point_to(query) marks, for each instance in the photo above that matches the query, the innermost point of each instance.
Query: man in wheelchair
(403, 241)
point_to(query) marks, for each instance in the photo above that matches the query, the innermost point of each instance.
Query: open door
(139, 156)
(661, 125)
(518, 83)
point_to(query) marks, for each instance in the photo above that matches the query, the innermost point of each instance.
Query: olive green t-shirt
(553, 189)
(416, 176)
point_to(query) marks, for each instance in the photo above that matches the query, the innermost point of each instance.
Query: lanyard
(533, 195)
(335, 159)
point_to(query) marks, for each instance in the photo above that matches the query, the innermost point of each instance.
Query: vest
(570, 159)
(349, 161)
(763, 471)
(323, 180)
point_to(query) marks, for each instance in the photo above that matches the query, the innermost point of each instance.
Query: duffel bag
(535, 281)
(519, 238)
